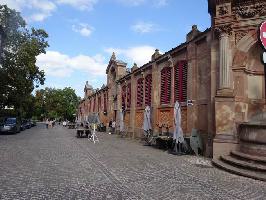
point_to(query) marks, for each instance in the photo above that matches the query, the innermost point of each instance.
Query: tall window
(129, 95)
(140, 92)
(181, 81)
(90, 106)
(148, 88)
(166, 85)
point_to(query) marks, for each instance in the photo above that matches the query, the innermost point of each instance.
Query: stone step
(243, 164)
(239, 171)
(244, 156)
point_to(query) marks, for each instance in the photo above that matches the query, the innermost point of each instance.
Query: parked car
(28, 124)
(2, 122)
(32, 123)
(11, 125)
(22, 126)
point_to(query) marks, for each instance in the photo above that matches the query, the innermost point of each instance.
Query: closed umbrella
(147, 119)
(178, 132)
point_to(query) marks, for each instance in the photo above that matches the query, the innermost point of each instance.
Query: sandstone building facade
(220, 69)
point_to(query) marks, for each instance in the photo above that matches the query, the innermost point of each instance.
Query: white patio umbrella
(147, 119)
(178, 132)
(121, 121)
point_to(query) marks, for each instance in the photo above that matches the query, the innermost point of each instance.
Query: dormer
(115, 69)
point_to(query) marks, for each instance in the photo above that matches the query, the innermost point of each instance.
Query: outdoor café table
(71, 125)
(164, 141)
(81, 131)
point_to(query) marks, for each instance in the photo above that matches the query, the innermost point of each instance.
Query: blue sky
(84, 33)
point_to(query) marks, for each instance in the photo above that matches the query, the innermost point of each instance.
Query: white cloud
(14, 4)
(83, 29)
(79, 4)
(60, 65)
(144, 27)
(140, 54)
(41, 9)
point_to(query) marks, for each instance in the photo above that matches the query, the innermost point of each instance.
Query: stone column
(224, 62)
(134, 132)
(155, 101)
(225, 139)
(225, 85)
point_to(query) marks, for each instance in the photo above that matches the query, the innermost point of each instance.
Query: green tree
(18, 71)
(56, 103)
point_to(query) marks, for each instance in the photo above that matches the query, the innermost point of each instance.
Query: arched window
(148, 88)
(128, 95)
(181, 81)
(166, 85)
(140, 92)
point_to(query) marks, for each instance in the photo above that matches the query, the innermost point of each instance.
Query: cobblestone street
(54, 164)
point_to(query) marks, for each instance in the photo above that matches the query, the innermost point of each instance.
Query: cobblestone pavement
(54, 164)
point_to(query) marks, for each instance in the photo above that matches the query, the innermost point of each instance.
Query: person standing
(113, 126)
(110, 126)
(47, 123)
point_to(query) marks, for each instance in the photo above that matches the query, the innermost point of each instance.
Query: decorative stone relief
(240, 34)
(224, 29)
(250, 11)
(224, 9)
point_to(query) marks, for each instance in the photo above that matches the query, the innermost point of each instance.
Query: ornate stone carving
(224, 9)
(223, 29)
(250, 11)
(240, 34)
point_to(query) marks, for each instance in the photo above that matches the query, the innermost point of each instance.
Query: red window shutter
(140, 92)
(129, 95)
(166, 78)
(148, 88)
(181, 81)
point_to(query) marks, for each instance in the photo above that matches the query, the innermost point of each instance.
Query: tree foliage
(18, 71)
(56, 103)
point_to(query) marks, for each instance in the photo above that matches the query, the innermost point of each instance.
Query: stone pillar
(225, 138)
(155, 101)
(224, 62)
(132, 129)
